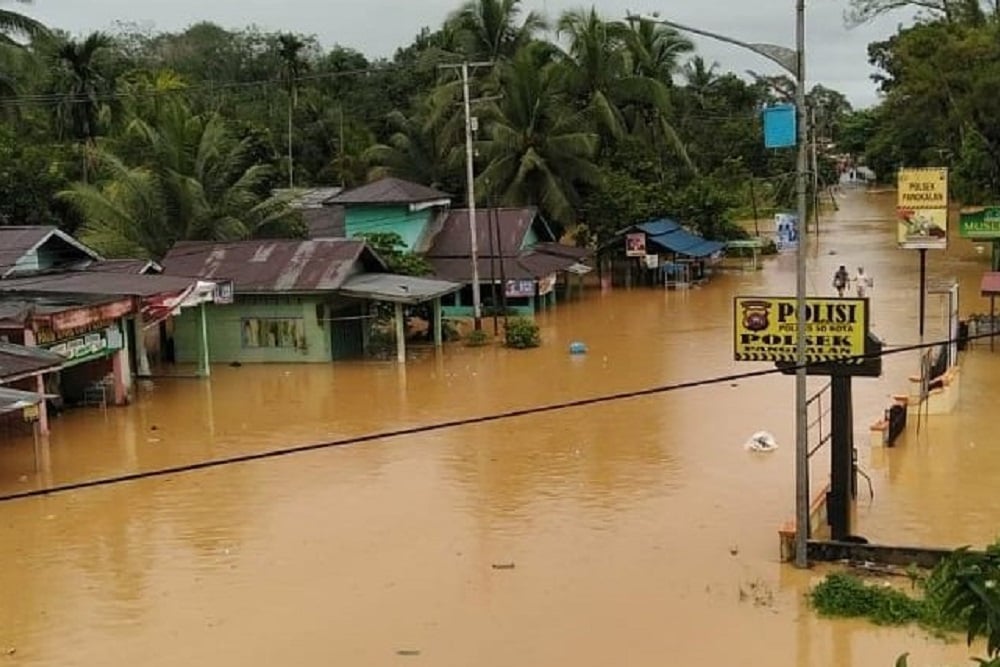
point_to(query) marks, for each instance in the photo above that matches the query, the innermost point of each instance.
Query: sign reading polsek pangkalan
(765, 329)
(922, 208)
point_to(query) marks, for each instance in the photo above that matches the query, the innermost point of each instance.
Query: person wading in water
(863, 283)
(840, 279)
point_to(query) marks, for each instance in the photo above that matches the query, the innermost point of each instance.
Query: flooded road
(632, 533)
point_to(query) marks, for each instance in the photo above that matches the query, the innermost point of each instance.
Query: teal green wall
(225, 341)
(530, 239)
(382, 219)
(453, 306)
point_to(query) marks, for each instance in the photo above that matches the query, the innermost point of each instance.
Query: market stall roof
(18, 361)
(685, 243)
(396, 288)
(12, 400)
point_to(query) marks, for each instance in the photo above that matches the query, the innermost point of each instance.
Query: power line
(455, 423)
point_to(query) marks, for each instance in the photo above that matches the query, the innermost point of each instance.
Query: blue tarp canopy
(685, 243)
(658, 227)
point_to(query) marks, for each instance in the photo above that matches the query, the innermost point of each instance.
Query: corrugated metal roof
(307, 197)
(396, 288)
(454, 240)
(277, 265)
(97, 282)
(19, 361)
(325, 222)
(16, 241)
(991, 284)
(686, 243)
(389, 191)
(562, 250)
(132, 266)
(530, 265)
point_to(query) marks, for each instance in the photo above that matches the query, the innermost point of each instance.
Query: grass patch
(843, 595)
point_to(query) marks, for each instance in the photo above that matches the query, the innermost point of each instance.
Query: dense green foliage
(522, 333)
(961, 594)
(939, 77)
(137, 140)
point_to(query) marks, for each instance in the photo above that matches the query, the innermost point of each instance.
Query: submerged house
(292, 300)
(662, 252)
(519, 260)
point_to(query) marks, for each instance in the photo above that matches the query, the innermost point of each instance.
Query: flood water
(624, 532)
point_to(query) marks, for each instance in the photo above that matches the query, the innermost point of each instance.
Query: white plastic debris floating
(761, 441)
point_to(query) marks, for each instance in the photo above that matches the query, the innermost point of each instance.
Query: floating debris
(503, 566)
(407, 652)
(761, 441)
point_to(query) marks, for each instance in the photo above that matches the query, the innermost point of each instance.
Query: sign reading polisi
(765, 329)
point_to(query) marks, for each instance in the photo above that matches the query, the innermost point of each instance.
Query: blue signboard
(779, 126)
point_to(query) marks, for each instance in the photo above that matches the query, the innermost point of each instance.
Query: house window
(268, 332)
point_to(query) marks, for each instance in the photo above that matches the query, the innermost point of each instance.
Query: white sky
(836, 55)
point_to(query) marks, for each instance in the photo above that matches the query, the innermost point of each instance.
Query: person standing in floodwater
(840, 280)
(863, 283)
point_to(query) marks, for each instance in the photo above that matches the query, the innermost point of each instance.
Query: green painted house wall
(408, 224)
(230, 326)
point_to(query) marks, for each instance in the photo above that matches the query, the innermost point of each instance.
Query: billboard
(787, 227)
(764, 329)
(922, 207)
(980, 223)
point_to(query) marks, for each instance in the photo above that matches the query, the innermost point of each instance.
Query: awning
(157, 308)
(396, 288)
(12, 400)
(991, 284)
(686, 243)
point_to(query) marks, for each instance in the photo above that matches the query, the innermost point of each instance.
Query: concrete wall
(225, 331)
(384, 219)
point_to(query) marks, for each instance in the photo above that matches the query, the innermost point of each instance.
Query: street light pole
(801, 426)
(477, 306)
(794, 62)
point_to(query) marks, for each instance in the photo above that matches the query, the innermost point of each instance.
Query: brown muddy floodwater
(632, 527)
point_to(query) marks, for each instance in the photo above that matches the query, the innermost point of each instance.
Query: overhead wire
(439, 426)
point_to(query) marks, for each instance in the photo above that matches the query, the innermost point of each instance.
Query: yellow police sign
(765, 329)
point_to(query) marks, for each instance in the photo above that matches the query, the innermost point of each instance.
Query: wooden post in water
(400, 334)
(438, 324)
(204, 369)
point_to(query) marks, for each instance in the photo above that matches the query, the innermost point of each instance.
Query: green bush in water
(477, 338)
(522, 333)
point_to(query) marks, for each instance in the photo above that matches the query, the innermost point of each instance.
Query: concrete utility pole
(793, 61)
(477, 307)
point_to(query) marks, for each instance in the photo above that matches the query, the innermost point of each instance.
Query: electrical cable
(439, 426)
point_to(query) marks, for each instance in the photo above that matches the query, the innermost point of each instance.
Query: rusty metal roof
(529, 265)
(18, 361)
(275, 265)
(991, 283)
(16, 241)
(389, 191)
(304, 198)
(453, 239)
(96, 282)
(131, 266)
(17, 309)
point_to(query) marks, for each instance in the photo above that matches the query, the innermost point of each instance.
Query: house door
(347, 333)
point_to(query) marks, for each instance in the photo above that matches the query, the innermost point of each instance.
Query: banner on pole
(980, 223)
(787, 228)
(764, 329)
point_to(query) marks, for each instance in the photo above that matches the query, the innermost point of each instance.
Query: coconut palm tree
(656, 49)
(199, 180)
(492, 29)
(292, 66)
(15, 26)
(537, 149)
(415, 151)
(81, 84)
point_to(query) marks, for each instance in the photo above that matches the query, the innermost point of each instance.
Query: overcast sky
(836, 56)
